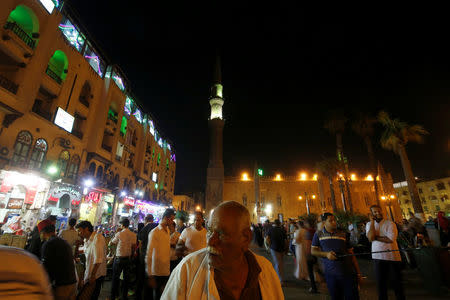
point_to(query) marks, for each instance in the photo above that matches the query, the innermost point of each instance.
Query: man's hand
(151, 281)
(331, 255)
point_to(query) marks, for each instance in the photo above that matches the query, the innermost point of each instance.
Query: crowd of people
(171, 260)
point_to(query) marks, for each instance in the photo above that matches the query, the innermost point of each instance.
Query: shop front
(96, 207)
(22, 197)
(64, 202)
(143, 208)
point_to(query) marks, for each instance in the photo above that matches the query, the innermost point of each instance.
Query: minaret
(215, 174)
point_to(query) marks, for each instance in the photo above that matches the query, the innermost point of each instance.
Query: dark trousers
(311, 261)
(342, 286)
(121, 264)
(142, 284)
(386, 270)
(160, 284)
(98, 287)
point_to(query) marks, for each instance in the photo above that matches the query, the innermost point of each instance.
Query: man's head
(84, 229)
(125, 223)
(376, 212)
(198, 220)
(47, 232)
(168, 216)
(72, 222)
(329, 221)
(229, 234)
(172, 227)
(149, 218)
(277, 223)
(52, 219)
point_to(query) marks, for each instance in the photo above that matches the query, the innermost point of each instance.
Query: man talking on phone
(383, 235)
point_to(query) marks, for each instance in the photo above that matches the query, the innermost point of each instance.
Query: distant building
(183, 202)
(283, 197)
(434, 195)
(74, 141)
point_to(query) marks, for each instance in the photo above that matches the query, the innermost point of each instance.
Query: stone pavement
(295, 289)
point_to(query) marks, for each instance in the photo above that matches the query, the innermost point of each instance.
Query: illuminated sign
(49, 5)
(94, 197)
(155, 177)
(128, 201)
(64, 120)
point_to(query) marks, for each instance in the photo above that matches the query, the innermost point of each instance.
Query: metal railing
(21, 34)
(53, 75)
(8, 84)
(84, 101)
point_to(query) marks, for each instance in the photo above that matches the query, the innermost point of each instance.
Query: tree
(328, 168)
(363, 126)
(395, 137)
(335, 124)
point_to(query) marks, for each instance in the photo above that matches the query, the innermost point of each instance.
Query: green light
(156, 186)
(260, 172)
(52, 170)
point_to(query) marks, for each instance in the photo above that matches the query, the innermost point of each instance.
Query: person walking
(383, 235)
(141, 285)
(95, 253)
(341, 272)
(126, 245)
(302, 249)
(278, 242)
(174, 236)
(158, 254)
(226, 269)
(70, 235)
(57, 258)
(35, 244)
(192, 238)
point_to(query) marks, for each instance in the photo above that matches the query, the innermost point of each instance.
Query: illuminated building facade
(434, 195)
(286, 197)
(68, 116)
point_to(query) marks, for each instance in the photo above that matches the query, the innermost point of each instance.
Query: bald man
(226, 269)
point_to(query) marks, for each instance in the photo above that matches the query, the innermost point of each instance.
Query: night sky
(284, 67)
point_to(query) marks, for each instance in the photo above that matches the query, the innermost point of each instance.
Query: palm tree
(328, 169)
(335, 124)
(395, 137)
(363, 126)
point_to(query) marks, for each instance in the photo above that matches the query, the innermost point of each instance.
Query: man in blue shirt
(341, 273)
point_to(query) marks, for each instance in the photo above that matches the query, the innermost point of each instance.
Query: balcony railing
(84, 101)
(21, 34)
(8, 84)
(77, 133)
(107, 148)
(53, 75)
(37, 108)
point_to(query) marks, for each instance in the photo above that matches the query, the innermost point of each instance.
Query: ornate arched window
(38, 154)
(92, 168)
(63, 161)
(72, 171)
(99, 172)
(22, 148)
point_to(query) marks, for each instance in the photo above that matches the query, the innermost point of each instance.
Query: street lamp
(388, 203)
(306, 202)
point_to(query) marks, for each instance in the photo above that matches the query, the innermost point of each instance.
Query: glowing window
(94, 60)
(160, 142)
(151, 126)
(128, 108)
(138, 115)
(71, 33)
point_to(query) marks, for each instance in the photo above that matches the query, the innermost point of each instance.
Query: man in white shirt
(383, 235)
(70, 235)
(226, 269)
(95, 253)
(126, 244)
(193, 238)
(158, 254)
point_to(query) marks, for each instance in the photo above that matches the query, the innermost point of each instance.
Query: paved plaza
(295, 289)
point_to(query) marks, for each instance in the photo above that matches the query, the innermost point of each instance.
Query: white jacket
(193, 278)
